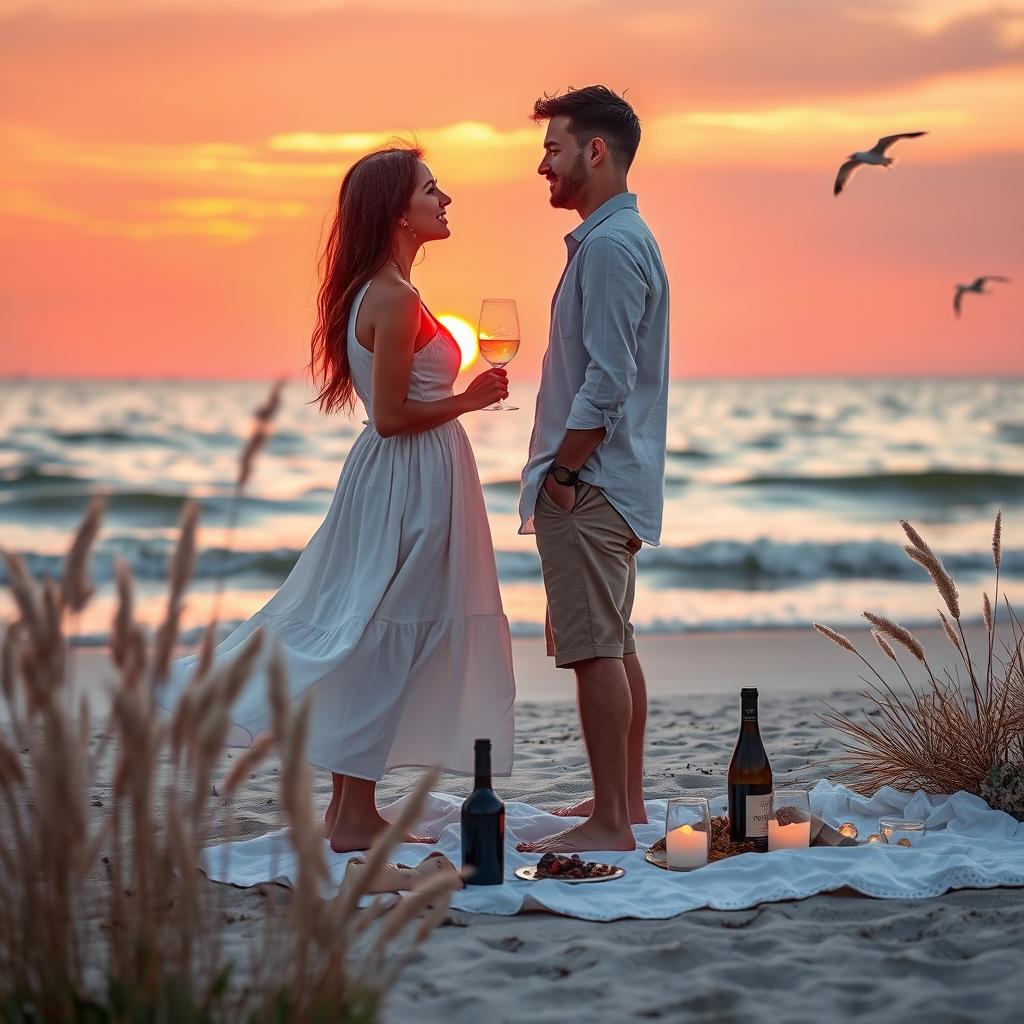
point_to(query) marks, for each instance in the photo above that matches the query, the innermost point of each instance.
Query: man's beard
(568, 187)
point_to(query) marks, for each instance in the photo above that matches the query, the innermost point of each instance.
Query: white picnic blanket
(968, 846)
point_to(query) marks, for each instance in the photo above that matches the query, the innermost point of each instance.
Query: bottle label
(758, 809)
(750, 713)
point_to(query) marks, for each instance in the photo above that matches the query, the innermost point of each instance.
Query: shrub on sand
(957, 728)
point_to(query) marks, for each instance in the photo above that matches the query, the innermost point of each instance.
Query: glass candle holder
(687, 833)
(789, 823)
(901, 831)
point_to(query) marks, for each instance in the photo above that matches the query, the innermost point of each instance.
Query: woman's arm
(394, 341)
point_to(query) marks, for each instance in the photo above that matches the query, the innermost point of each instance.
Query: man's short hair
(595, 111)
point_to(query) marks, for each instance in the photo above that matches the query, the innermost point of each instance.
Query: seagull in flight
(977, 286)
(874, 155)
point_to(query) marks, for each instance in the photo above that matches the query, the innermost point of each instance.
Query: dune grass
(106, 916)
(960, 727)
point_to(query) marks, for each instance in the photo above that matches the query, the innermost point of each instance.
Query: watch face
(563, 475)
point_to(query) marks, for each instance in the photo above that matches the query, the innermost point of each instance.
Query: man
(593, 487)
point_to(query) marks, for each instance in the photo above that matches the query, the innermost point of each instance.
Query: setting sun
(465, 335)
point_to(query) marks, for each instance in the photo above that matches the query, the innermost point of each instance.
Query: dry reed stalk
(379, 905)
(10, 656)
(183, 855)
(836, 638)
(206, 649)
(437, 890)
(262, 416)
(10, 766)
(948, 629)
(896, 632)
(212, 731)
(940, 577)
(262, 422)
(128, 640)
(986, 610)
(915, 538)
(884, 645)
(124, 617)
(377, 855)
(179, 572)
(997, 557)
(256, 441)
(277, 692)
(76, 585)
(266, 412)
(324, 931)
(25, 592)
(257, 753)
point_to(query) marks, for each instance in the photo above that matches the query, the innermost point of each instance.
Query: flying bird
(978, 286)
(874, 155)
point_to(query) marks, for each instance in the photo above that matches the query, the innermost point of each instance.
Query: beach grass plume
(959, 728)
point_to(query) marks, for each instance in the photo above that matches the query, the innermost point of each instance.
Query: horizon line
(20, 378)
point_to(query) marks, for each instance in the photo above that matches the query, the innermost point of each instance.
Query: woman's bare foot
(585, 808)
(348, 836)
(399, 877)
(582, 839)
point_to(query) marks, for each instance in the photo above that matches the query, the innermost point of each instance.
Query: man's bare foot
(347, 836)
(583, 838)
(585, 808)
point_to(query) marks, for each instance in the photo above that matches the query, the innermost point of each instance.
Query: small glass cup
(687, 833)
(901, 831)
(789, 823)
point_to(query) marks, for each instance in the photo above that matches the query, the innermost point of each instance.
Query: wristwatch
(564, 475)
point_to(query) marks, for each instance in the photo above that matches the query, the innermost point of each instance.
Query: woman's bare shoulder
(391, 296)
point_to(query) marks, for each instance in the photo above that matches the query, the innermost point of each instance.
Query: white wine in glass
(498, 338)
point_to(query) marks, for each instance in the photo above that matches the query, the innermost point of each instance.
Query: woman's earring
(405, 224)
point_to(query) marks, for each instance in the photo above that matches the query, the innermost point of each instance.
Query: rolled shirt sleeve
(614, 294)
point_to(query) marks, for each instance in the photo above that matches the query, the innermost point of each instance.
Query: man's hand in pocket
(563, 496)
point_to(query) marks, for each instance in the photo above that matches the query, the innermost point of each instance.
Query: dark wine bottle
(750, 778)
(483, 824)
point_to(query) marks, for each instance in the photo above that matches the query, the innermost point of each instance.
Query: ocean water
(782, 498)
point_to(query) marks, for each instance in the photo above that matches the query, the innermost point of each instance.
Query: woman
(392, 615)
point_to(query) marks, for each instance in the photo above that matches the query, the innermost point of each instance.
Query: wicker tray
(822, 834)
(721, 845)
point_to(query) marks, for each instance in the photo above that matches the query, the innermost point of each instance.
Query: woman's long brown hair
(374, 195)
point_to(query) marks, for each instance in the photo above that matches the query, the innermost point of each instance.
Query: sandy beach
(261, 305)
(839, 956)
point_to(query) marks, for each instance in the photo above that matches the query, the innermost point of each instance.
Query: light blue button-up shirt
(607, 366)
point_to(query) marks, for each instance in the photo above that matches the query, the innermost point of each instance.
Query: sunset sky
(166, 167)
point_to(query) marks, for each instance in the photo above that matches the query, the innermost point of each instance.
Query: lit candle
(686, 848)
(789, 837)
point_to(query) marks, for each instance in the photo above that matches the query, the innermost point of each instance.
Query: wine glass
(789, 825)
(498, 338)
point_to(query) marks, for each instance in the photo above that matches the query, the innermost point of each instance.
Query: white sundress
(392, 614)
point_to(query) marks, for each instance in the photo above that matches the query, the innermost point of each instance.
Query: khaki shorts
(588, 557)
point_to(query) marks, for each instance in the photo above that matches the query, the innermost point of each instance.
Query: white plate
(529, 874)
